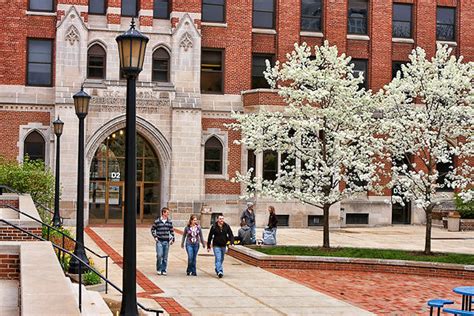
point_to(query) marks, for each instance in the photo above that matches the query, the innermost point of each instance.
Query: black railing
(63, 236)
(81, 264)
(37, 204)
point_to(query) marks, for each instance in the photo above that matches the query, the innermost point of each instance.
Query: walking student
(219, 235)
(192, 236)
(163, 233)
(271, 227)
(248, 215)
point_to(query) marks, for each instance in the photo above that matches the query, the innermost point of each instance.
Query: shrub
(31, 176)
(56, 237)
(91, 278)
(465, 209)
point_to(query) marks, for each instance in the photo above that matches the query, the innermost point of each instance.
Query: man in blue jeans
(163, 233)
(219, 235)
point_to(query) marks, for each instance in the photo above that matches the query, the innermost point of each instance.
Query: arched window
(213, 156)
(34, 146)
(161, 65)
(96, 58)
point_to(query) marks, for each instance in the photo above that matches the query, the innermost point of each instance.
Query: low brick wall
(10, 202)
(10, 266)
(466, 224)
(258, 259)
(11, 234)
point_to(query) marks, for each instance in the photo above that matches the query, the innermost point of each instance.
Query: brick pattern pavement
(380, 293)
(151, 289)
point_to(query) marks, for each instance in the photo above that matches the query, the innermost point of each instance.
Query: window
(357, 17)
(34, 146)
(96, 61)
(360, 69)
(357, 218)
(443, 169)
(251, 162)
(258, 67)
(212, 71)
(315, 220)
(263, 14)
(213, 10)
(40, 61)
(396, 67)
(445, 22)
(401, 24)
(270, 165)
(283, 220)
(403, 160)
(41, 5)
(213, 156)
(129, 8)
(161, 65)
(161, 9)
(311, 15)
(96, 6)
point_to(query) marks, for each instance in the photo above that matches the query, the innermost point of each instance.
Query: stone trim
(264, 31)
(403, 40)
(311, 34)
(222, 136)
(261, 260)
(358, 37)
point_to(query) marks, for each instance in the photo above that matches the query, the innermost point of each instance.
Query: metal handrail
(49, 227)
(81, 262)
(2, 186)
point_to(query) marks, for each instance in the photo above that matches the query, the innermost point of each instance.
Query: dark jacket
(219, 236)
(245, 235)
(272, 221)
(248, 217)
(162, 231)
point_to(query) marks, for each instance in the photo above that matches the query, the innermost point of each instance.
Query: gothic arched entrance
(106, 186)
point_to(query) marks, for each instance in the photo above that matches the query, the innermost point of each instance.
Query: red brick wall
(262, 98)
(14, 203)
(218, 186)
(10, 132)
(15, 28)
(11, 233)
(9, 266)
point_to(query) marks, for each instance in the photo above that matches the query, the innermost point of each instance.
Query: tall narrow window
(357, 17)
(445, 24)
(129, 8)
(34, 146)
(251, 162)
(41, 5)
(96, 61)
(397, 67)
(263, 14)
(212, 71)
(213, 156)
(161, 9)
(258, 67)
(40, 61)
(443, 169)
(161, 65)
(270, 165)
(96, 6)
(213, 10)
(360, 69)
(401, 20)
(311, 13)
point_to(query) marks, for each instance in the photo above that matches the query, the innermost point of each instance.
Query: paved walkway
(249, 290)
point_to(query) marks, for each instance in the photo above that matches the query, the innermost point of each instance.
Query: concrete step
(92, 302)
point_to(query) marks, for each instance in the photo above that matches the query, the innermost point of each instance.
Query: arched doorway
(106, 188)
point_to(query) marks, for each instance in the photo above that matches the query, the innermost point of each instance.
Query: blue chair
(457, 312)
(438, 303)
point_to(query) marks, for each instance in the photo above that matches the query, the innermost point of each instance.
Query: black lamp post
(58, 130)
(131, 45)
(81, 103)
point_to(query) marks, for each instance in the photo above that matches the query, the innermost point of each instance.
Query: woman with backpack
(192, 237)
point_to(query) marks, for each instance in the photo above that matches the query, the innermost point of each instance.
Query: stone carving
(186, 41)
(114, 101)
(72, 35)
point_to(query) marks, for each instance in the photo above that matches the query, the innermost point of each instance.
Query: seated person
(245, 234)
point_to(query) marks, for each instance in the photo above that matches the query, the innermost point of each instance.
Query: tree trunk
(326, 225)
(429, 218)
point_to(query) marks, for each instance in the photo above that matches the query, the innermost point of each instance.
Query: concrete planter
(96, 287)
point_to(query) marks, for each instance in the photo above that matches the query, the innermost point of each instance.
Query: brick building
(204, 59)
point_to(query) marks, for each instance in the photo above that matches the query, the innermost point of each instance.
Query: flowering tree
(428, 121)
(323, 136)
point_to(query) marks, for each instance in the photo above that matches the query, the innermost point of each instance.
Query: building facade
(204, 60)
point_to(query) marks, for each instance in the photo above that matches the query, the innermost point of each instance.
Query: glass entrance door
(115, 203)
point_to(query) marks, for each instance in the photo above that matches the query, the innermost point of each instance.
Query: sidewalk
(244, 290)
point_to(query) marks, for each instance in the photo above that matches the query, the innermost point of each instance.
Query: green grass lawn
(368, 253)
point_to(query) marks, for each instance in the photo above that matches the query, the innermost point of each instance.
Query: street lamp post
(131, 45)
(81, 104)
(58, 130)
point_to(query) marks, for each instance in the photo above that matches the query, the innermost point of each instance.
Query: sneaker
(163, 272)
(220, 275)
(188, 273)
(194, 274)
(158, 272)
